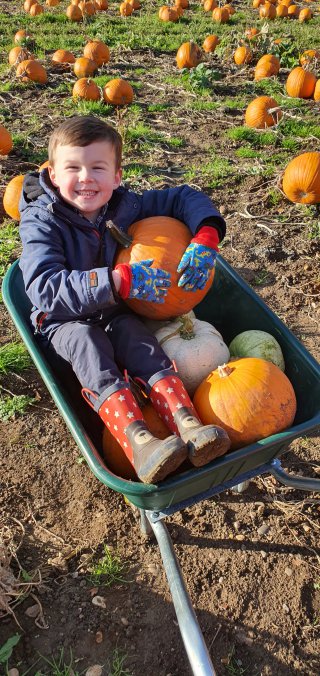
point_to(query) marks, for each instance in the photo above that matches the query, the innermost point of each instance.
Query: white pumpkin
(196, 347)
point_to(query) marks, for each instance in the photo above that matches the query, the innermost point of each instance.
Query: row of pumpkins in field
(80, 9)
(241, 387)
(116, 92)
(301, 82)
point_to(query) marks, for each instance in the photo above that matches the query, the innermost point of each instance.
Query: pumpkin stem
(187, 327)
(224, 370)
(186, 331)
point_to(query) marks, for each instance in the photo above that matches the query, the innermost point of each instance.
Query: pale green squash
(254, 343)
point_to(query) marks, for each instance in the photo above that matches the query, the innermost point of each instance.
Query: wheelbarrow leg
(192, 637)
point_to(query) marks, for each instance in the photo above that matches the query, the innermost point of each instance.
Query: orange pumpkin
(266, 69)
(221, 15)
(210, 43)
(257, 3)
(11, 197)
(242, 55)
(97, 51)
(86, 89)
(136, 4)
(18, 54)
(74, 13)
(21, 37)
(182, 3)
(5, 141)
(281, 11)
(251, 33)
(84, 67)
(114, 455)
(32, 71)
(301, 179)
(188, 55)
(250, 398)
(267, 11)
(301, 83)
(164, 240)
(125, 9)
(209, 5)
(118, 92)
(293, 11)
(27, 5)
(316, 93)
(101, 5)
(62, 58)
(87, 8)
(167, 13)
(305, 15)
(52, 3)
(36, 9)
(258, 113)
(309, 57)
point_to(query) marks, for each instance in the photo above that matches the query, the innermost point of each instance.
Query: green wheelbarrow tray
(231, 306)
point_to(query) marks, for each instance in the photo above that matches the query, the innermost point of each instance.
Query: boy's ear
(117, 179)
(52, 176)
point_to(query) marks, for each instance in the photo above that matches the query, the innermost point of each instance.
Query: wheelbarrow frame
(231, 306)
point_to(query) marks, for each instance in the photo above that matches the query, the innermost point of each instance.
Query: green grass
(117, 664)
(13, 407)
(14, 357)
(109, 570)
(253, 137)
(59, 666)
(9, 244)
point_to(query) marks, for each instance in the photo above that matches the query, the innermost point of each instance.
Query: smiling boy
(77, 294)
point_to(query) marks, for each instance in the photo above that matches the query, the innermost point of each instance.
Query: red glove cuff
(207, 236)
(126, 277)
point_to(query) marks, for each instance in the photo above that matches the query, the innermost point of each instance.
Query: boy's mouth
(86, 193)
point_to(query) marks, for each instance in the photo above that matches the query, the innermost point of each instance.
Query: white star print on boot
(173, 404)
(153, 459)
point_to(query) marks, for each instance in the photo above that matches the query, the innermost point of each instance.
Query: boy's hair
(82, 130)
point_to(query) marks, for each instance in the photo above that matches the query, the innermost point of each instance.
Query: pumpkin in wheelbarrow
(250, 398)
(163, 239)
(115, 457)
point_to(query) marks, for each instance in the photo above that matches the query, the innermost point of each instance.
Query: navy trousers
(99, 353)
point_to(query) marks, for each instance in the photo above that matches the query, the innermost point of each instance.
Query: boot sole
(204, 449)
(168, 464)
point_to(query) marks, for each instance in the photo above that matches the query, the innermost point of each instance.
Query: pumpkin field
(224, 98)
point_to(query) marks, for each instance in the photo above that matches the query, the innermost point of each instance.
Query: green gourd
(254, 343)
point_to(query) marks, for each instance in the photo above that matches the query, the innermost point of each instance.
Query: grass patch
(253, 137)
(110, 569)
(14, 357)
(13, 407)
(9, 243)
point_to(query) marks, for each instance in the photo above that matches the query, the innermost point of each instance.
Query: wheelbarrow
(232, 307)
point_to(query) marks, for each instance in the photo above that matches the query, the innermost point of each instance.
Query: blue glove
(196, 265)
(148, 283)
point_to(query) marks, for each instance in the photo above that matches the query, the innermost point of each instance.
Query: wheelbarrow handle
(303, 483)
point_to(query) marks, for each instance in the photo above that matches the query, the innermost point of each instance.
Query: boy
(69, 276)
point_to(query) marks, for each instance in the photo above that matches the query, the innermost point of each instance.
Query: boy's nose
(85, 174)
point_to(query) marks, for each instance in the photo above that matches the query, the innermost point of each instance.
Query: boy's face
(86, 176)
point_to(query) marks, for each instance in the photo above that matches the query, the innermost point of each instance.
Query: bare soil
(255, 590)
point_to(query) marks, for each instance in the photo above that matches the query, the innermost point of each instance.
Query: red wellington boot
(173, 404)
(153, 459)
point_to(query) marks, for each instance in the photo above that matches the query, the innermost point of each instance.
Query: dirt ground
(250, 561)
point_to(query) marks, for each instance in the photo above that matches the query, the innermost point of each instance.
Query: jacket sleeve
(191, 206)
(53, 288)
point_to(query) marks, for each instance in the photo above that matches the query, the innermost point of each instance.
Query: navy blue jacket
(61, 248)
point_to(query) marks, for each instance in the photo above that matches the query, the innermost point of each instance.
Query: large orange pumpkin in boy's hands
(164, 240)
(250, 398)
